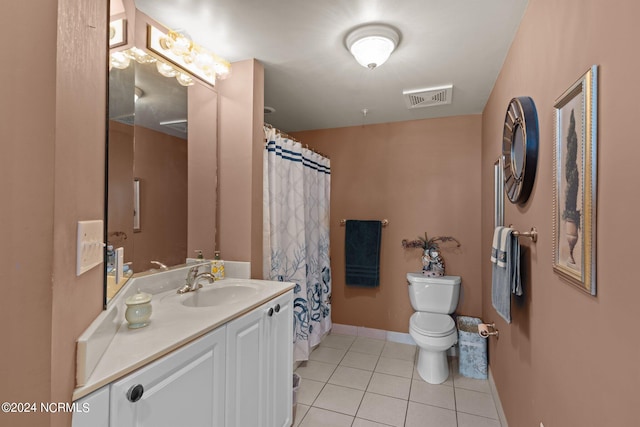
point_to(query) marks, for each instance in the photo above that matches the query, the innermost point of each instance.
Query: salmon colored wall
(120, 191)
(240, 164)
(52, 168)
(161, 166)
(26, 213)
(421, 175)
(570, 359)
(202, 170)
(81, 76)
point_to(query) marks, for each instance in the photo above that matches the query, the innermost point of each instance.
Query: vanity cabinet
(185, 388)
(259, 366)
(238, 375)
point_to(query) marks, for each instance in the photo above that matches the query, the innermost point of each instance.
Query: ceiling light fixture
(372, 45)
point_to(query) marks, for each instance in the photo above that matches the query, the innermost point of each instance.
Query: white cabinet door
(92, 410)
(280, 339)
(259, 366)
(246, 370)
(184, 388)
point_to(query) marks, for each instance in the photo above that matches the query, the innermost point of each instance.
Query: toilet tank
(433, 294)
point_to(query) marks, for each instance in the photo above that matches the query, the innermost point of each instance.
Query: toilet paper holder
(486, 330)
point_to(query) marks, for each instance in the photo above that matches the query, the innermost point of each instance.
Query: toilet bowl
(431, 327)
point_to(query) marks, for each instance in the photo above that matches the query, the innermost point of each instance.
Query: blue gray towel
(362, 252)
(506, 272)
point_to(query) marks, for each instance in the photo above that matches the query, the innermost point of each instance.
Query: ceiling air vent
(428, 97)
(177, 125)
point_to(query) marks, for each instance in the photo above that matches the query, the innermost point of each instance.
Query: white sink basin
(216, 295)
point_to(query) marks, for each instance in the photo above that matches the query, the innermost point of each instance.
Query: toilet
(431, 327)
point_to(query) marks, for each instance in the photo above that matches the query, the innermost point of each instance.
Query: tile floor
(364, 382)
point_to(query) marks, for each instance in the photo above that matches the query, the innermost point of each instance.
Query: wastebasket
(473, 348)
(296, 386)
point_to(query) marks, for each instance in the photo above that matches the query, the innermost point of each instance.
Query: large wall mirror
(148, 165)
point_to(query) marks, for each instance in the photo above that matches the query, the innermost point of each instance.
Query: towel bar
(533, 234)
(384, 222)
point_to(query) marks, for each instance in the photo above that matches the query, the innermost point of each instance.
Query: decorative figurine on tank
(432, 261)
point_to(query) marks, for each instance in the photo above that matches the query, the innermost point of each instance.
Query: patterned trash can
(473, 349)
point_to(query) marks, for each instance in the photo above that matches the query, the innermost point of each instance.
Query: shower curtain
(296, 192)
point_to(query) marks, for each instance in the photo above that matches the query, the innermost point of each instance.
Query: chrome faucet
(162, 266)
(194, 277)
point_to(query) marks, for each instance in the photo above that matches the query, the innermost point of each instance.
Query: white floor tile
(328, 355)
(401, 368)
(351, 377)
(339, 399)
(390, 385)
(367, 345)
(383, 409)
(433, 394)
(468, 420)
(394, 350)
(317, 417)
(476, 403)
(471, 383)
(301, 411)
(315, 370)
(359, 360)
(359, 422)
(338, 341)
(309, 390)
(448, 381)
(419, 415)
(376, 382)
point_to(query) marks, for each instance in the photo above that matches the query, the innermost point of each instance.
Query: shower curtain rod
(286, 135)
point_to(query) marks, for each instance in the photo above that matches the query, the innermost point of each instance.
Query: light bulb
(181, 45)
(166, 69)
(141, 56)
(184, 79)
(120, 60)
(204, 61)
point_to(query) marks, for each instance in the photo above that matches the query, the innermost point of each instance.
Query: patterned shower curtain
(296, 192)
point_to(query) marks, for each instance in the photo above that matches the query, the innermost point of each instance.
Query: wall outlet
(90, 247)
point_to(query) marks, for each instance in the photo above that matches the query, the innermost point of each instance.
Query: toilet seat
(432, 324)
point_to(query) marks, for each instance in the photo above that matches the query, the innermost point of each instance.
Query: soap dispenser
(217, 266)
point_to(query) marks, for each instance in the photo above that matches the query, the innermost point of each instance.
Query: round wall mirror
(520, 148)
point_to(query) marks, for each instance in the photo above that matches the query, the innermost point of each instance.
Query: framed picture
(498, 193)
(136, 205)
(575, 182)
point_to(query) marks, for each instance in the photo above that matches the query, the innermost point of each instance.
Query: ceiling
(313, 82)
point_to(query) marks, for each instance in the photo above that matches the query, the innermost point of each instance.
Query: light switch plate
(90, 247)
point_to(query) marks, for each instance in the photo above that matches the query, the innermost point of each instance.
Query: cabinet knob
(135, 393)
(277, 308)
(270, 312)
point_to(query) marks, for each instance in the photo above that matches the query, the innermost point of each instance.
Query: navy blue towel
(362, 252)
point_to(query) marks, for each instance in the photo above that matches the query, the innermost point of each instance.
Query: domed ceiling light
(372, 44)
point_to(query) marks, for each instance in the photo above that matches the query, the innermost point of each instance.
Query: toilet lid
(432, 324)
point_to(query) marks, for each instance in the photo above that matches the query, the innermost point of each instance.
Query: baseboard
(380, 334)
(496, 399)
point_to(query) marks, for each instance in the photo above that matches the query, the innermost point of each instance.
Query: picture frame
(136, 206)
(498, 193)
(575, 183)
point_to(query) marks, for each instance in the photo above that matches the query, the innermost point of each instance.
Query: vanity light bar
(187, 55)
